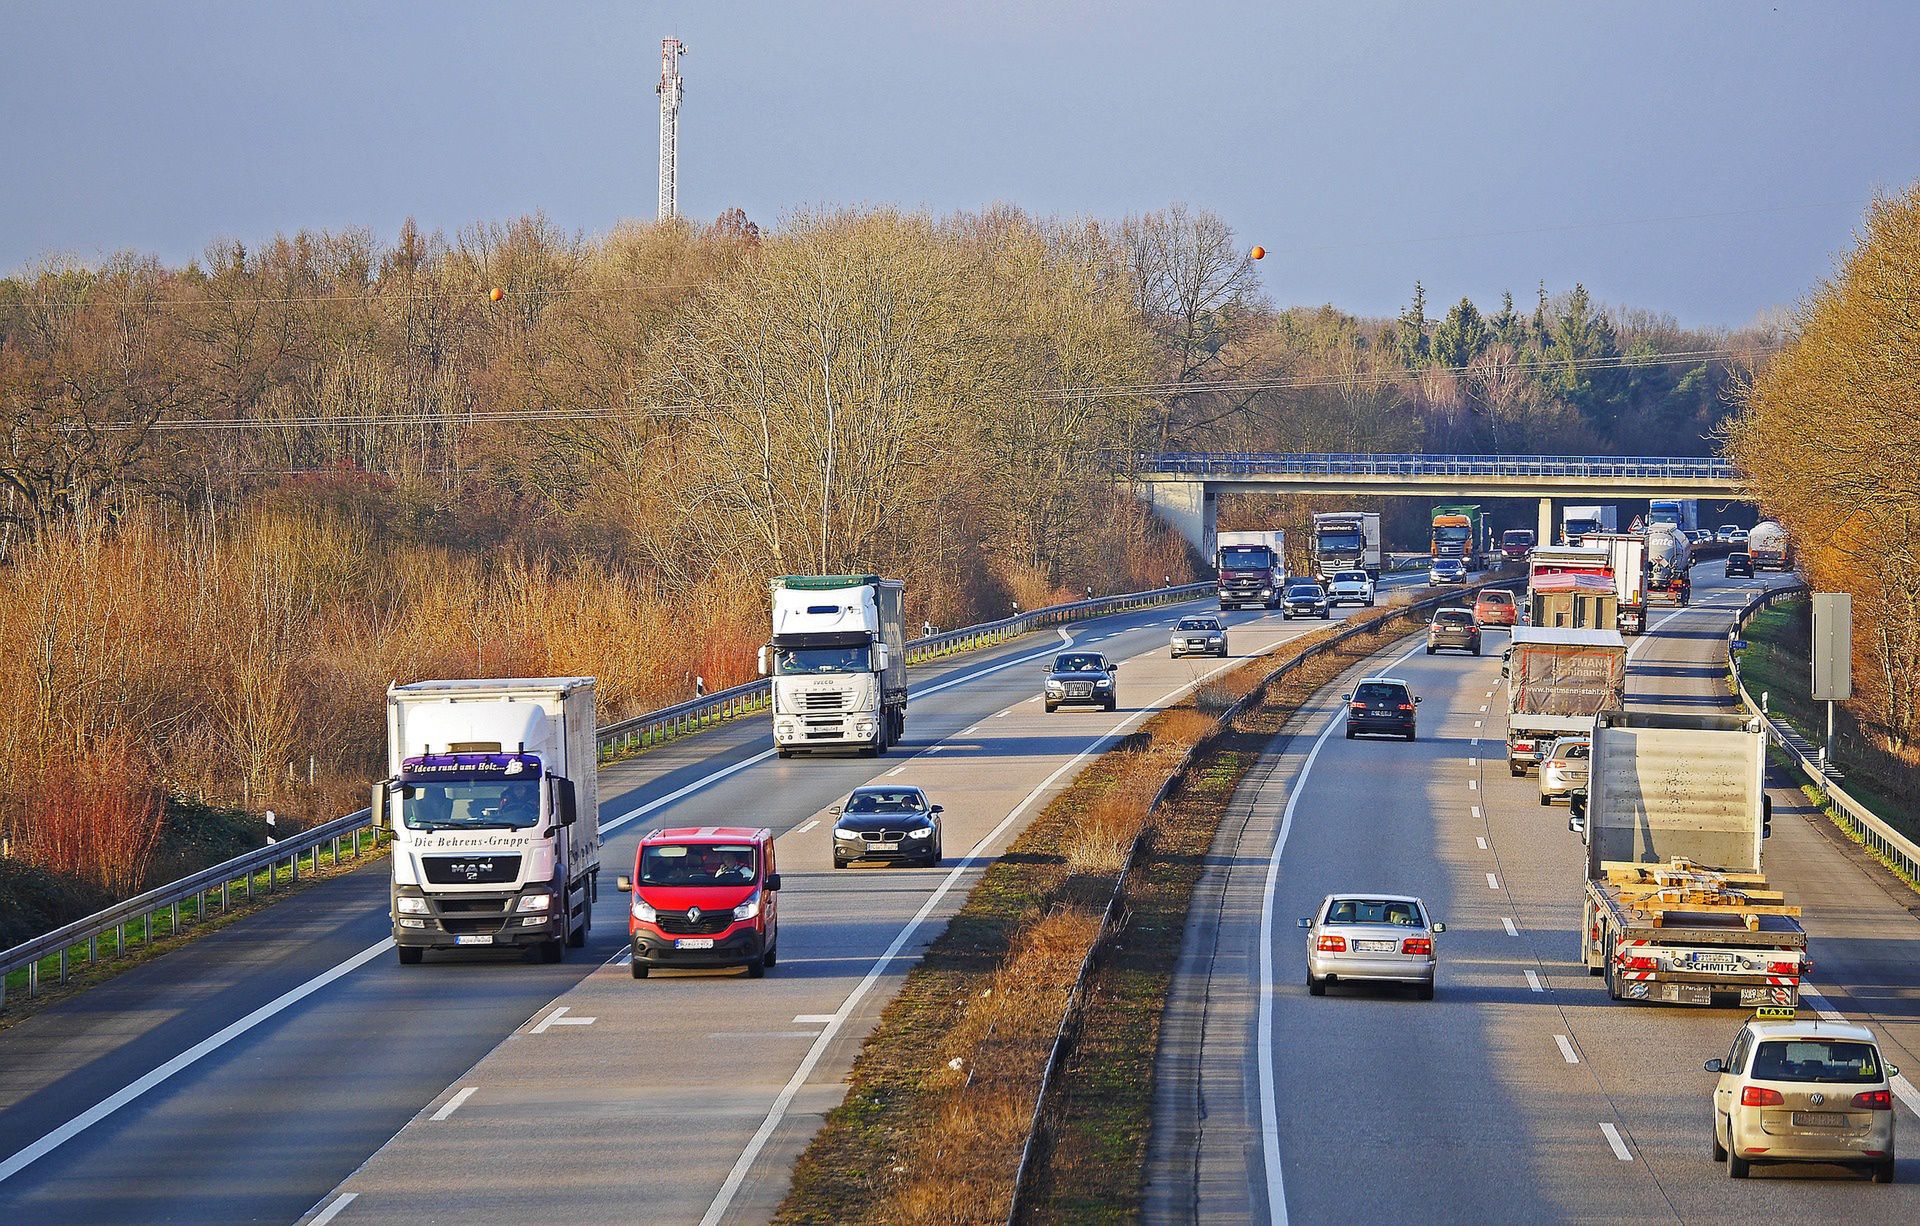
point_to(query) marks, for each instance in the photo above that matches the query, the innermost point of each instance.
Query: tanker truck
(1669, 565)
(1770, 547)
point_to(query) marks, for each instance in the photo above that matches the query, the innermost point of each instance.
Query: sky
(1709, 159)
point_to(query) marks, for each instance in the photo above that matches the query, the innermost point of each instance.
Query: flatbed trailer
(1675, 945)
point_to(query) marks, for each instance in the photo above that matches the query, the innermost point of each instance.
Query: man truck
(1460, 531)
(838, 660)
(492, 797)
(1253, 569)
(1677, 909)
(1576, 522)
(1558, 680)
(1770, 547)
(1346, 540)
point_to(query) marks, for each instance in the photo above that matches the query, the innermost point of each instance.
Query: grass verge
(942, 1094)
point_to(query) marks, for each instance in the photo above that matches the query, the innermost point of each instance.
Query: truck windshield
(1340, 540)
(470, 804)
(1450, 534)
(806, 661)
(1246, 557)
(698, 864)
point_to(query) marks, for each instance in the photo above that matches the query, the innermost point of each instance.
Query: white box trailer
(492, 794)
(838, 661)
(1627, 561)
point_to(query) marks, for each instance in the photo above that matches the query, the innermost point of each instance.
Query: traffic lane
(836, 927)
(1473, 1075)
(1649, 1057)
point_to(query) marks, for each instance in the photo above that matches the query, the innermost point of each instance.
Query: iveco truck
(492, 797)
(1346, 540)
(1252, 567)
(838, 660)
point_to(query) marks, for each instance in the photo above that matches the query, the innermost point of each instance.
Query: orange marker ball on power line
(497, 294)
(1258, 253)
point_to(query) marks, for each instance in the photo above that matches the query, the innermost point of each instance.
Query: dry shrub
(1106, 827)
(96, 816)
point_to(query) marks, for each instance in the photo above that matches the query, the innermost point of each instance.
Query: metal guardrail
(1896, 848)
(82, 938)
(643, 731)
(1413, 464)
(1073, 1013)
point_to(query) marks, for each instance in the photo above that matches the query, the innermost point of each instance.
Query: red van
(704, 896)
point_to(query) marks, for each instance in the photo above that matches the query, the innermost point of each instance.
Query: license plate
(694, 943)
(1715, 961)
(883, 847)
(485, 938)
(1376, 947)
(1819, 1119)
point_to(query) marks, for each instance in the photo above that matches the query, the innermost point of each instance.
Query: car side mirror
(1893, 1070)
(624, 884)
(1417, 700)
(1716, 1066)
(939, 809)
(834, 810)
(772, 883)
(1305, 922)
(378, 806)
(1439, 928)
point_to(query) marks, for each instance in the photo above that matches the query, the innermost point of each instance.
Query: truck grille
(710, 922)
(470, 870)
(824, 702)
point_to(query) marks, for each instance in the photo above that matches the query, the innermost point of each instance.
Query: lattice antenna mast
(669, 90)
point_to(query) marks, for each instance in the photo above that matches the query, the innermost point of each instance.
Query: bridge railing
(1410, 464)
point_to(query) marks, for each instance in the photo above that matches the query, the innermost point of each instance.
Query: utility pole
(669, 90)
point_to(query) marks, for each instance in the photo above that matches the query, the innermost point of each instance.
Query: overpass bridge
(1184, 487)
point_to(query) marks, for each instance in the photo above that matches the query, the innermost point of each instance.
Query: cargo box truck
(838, 660)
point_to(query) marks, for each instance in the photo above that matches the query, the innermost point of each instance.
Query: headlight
(748, 909)
(644, 912)
(534, 902)
(840, 832)
(925, 832)
(1054, 687)
(411, 906)
(1266, 591)
(1103, 685)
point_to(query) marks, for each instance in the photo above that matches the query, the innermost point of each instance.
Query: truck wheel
(577, 939)
(1517, 771)
(639, 969)
(785, 753)
(757, 968)
(409, 957)
(1429, 648)
(552, 951)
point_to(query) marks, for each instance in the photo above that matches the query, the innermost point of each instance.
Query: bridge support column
(1545, 535)
(1188, 507)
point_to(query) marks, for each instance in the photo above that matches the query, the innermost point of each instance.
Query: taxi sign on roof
(1774, 1013)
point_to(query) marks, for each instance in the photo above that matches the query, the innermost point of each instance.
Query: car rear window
(1376, 691)
(1496, 598)
(1829, 1060)
(1453, 617)
(1374, 911)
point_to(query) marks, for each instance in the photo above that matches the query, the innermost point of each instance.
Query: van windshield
(698, 864)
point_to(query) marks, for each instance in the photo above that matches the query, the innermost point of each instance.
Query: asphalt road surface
(246, 1076)
(1520, 1094)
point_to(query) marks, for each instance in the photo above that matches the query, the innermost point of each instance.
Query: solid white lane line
(1566, 1049)
(1533, 982)
(723, 1199)
(453, 1104)
(1482, 841)
(333, 1210)
(1620, 1150)
(1508, 921)
(803, 829)
(1493, 882)
(112, 1103)
(1269, 1098)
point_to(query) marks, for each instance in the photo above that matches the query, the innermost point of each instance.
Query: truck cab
(705, 896)
(838, 663)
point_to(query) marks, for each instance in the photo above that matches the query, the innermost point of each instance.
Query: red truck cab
(704, 896)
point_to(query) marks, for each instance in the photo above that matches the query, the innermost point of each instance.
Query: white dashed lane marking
(1566, 1049)
(1511, 930)
(1533, 982)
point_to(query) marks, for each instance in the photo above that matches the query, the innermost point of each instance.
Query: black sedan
(879, 822)
(1084, 678)
(1305, 600)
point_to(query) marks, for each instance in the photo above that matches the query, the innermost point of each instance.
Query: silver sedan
(1381, 938)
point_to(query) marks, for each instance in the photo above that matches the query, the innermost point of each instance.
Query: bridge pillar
(1545, 535)
(1188, 507)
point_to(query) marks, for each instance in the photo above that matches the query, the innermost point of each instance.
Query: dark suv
(1381, 704)
(1305, 600)
(1739, 562)
(1083, 677)
(1453, 628)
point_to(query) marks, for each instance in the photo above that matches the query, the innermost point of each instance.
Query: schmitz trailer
(1677, 909)
(1557, 682)
(1627, 559)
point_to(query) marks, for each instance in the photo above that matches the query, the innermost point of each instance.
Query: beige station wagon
(1804, 1091)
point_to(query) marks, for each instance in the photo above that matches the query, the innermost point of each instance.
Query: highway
(1521, 1094)
(287, 1065)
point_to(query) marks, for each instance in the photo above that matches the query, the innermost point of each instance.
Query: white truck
(1669, 565)
(1346, 540)
(1576, 522)
(838, 660)
(1681, 513)
(492, 794)
(1677, 909)
(1769, 546)
(1558, 681)
(1627, 559)
(1251, 568)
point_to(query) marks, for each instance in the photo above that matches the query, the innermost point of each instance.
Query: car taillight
(1873, 1100)
(1782, 968)
(1359, 706)
(1406, 706)
(1331, 945)
(1760, 1096)
(1416, 945)
(1643, 964)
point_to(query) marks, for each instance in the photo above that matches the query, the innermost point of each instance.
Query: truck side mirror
(1766, 816)
(763, 661)
(379, 805)
(773, 882)
(884, 657)
(624, 884)
(565, 808)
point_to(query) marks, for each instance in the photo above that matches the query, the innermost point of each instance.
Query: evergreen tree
(1410, 331)
(1461, 336)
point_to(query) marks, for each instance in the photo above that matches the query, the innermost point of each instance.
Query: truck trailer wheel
(409, 957)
